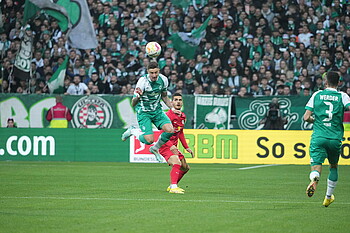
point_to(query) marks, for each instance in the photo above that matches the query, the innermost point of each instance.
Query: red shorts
(166, 153)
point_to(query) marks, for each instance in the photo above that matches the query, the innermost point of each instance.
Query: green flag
(56, 82)
(56, 11)
(72, 16)
(187, 43)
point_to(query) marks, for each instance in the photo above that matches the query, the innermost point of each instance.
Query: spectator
(11, 123)
(58, 115)
(77, 87)
(237, 33)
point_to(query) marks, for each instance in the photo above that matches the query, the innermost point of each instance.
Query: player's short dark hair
(152, 65)
(332, 78)
(176, 94)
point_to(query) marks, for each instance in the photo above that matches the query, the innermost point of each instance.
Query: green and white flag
(73, 16)
(187, 43)
(56, 82)
(56, 11)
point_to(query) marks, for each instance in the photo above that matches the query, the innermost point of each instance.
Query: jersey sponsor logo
(92, 112)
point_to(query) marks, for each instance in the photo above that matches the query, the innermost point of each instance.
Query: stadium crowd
(251, 47)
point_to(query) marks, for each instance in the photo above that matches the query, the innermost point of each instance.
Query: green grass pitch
(122, 197)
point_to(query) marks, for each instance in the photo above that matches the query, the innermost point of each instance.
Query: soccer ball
(153, 49)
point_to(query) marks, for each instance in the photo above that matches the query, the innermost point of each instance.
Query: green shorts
(145, 120)
(322, 148)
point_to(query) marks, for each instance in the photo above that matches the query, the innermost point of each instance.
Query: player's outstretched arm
(166, 99)
(184, 143)
(137, 95)
(308, 117)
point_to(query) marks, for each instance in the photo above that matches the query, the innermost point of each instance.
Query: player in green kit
(328, 108)
(150, 89)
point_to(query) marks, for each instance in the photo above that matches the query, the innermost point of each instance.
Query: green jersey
(152, 93)
(328, 106)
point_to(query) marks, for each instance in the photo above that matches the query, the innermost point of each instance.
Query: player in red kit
(170, 151)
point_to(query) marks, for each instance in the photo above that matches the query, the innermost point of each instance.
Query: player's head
(153, 70)
(177, 101)
(332, 79)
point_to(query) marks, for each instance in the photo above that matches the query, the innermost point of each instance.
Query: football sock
(330, 188)
(314, 174)
(143, 140)
(181, 174)
(174, 174)
(333, 174)
(164, 137)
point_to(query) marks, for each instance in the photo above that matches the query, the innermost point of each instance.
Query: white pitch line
(167, 200)
(259, 166)
(127, 167)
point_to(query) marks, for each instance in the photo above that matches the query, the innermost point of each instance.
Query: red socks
(175, 174)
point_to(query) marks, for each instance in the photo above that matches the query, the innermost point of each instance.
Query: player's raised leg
(168, 129)
(314, 178)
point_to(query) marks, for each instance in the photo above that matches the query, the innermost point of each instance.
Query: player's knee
(149, 141)
(169, 128)
(333, 165)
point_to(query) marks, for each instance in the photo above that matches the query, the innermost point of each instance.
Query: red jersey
(178, 124)
(59, 112)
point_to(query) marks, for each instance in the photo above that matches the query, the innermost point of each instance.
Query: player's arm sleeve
(140, 84)
(166, 82)
(183, 139)
(346, 100)
(310, 103)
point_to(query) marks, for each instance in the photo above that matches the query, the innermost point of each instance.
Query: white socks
(173, 186)
(158, 144)
(314, 174)
(330, 188)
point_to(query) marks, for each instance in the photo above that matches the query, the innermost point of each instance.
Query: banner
(91, 112)
(212, 112)
(24, 57)
(242, 147)
(63, 145)
(250, 111)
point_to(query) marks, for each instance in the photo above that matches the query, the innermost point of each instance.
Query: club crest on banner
(92, 112)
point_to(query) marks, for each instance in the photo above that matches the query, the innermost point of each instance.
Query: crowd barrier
(209, 146)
